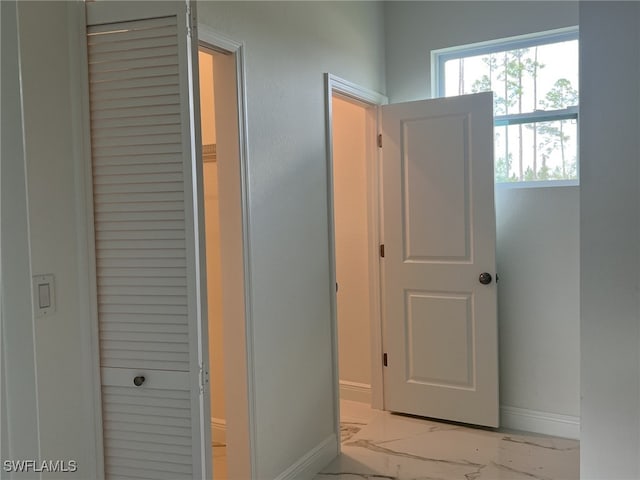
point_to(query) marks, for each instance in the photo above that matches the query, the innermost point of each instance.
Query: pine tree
(561, 95)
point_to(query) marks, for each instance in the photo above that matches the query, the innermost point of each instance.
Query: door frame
(239, 382)
(371, 100)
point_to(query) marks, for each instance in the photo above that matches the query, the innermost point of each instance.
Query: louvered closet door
(147, 253)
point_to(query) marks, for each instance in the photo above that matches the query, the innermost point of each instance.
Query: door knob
(139, 380)
(485, 278)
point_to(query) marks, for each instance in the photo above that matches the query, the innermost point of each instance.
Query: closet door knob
(485, 278)
(139, 380)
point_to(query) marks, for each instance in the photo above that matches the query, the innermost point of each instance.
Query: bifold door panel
(146, 247)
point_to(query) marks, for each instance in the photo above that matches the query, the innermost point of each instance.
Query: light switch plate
(44, 295)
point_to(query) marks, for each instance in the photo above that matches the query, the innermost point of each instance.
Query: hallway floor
(378, 446)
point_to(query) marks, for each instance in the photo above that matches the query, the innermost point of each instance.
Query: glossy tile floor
(378, 445)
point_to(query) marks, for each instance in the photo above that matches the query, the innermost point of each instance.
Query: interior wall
(413, 29)
(610, 235)
(4, 419)
(539, 298)
(212, 233)
(49, 36)
(289, 45)
(538, 314)
(207, 98)
(352, 248)
(4, 436)
(214, 295)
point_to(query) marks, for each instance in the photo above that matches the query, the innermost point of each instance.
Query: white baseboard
(313, 461)
(356, 392)
(219, 430)
(515, 418)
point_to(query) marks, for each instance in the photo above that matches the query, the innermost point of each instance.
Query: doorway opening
(355, 235)
(427, 278)
(351, 153)
(206, 60)
(223, 234)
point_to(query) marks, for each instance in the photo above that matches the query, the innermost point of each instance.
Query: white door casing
(440, 322)
(149, 253)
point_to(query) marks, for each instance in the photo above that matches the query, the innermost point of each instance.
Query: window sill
(537, 184)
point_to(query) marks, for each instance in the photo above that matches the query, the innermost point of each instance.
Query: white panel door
(148, 253)
(440, 330)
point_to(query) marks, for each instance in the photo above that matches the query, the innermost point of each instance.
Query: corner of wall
(313, 461)
(610, 233)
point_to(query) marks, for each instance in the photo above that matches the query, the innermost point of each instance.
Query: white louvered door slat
(147, 256)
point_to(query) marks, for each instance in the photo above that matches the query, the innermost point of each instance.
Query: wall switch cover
(44, 298)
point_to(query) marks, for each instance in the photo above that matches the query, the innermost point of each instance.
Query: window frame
(442, 55)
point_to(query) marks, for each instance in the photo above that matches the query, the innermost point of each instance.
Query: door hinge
(204, 377)
(384, 360)
(382, 250)
(336, 287)
(379, 140)
(190, 21)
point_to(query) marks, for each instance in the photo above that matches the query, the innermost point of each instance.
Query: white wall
(538, 314)
(352, 248)
(214, 293)
(413, 29)
(207, 98)
(610, 236)
(4, 435)
(289, 46)
(539, 299)
(4, 432)
(55, 243)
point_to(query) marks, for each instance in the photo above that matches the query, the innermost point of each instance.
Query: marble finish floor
(381, 446)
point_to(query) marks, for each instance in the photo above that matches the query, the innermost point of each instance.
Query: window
(535, 83)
